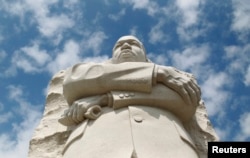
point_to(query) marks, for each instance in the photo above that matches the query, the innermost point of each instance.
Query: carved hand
(88, 107)
(184, 85)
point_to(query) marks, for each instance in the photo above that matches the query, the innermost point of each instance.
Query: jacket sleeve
(160, 97)
(84, 80)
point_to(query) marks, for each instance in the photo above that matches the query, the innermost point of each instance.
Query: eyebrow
(129, 40)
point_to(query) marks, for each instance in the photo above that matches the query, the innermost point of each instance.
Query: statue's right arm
(83, 80)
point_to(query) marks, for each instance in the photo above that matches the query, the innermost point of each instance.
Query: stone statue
(130, 107)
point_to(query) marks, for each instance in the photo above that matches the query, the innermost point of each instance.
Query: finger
(177, 86)
(192, 95)
(185, 96)
(185, 90)
(181, 90)
(69, 115)
(192, 89)
(69, 112)
(74, 116)
(197, 91)
(197, 88)
(80, 114)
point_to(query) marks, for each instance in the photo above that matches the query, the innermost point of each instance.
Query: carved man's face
(128, 49)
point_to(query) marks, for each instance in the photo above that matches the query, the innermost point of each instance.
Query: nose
(126, 46)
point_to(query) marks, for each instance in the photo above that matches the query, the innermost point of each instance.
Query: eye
(135, 43)
(117, 45)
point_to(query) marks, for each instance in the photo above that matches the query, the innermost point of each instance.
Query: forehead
(127, 38)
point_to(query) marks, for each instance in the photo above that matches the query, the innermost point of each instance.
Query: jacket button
(121, 95)
(138, 119)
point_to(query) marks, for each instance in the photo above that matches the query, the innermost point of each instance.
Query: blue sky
(208, 38)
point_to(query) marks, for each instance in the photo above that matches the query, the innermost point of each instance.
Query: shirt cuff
(110, 100)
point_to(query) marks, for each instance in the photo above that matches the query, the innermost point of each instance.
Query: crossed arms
(152, 85)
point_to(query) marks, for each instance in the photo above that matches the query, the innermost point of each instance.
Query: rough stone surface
(50, 136)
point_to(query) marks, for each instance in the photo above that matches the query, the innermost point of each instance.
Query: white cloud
(247, 77)
(15, 8)
(241, 12)
(6, 143)
(214, 94)
(189, 9)
(72, 51)
(94, 42)
(3, 55)
(5, 117)
(48, 25)
(35, 53)
(156, 33)
(160, 59)
(18, 147)
(31, 58)
(9, 72)
(244, 133)
(39, 7)
(239, 61)
(51, 26)
(117, 16)
(150, 6)
(133, 31)
(15, 92)
(187, 17)
(222, 132)
(191, 58)
(233, 53)
(189, 33)
(69, 56)
(15, 143)
(70, 3)
(244, 122)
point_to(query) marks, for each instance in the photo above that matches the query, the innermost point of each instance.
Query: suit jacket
(142, 124)
(140, 130)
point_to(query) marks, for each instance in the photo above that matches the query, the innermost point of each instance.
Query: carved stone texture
(50, 136)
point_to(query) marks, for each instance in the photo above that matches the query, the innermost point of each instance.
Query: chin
(126, 60)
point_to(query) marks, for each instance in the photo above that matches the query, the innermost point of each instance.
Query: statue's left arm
(160, 97)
